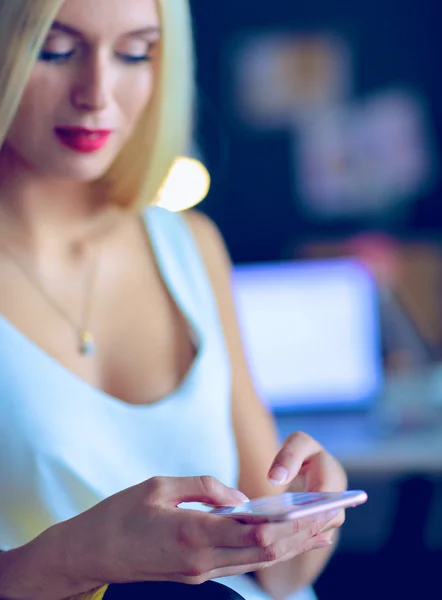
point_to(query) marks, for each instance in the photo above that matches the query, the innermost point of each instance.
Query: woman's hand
(141, 535)
(304, 465)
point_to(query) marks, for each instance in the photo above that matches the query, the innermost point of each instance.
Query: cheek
(35, 114)
(134, 96)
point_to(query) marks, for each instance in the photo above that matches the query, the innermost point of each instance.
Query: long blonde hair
(164, 129)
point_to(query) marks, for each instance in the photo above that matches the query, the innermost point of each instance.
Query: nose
(92, 90)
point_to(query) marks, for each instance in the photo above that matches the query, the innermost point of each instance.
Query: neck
(39, 214)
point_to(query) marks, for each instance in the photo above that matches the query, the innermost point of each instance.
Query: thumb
(205, 489)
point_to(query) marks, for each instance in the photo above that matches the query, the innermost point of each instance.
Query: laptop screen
(311, 332)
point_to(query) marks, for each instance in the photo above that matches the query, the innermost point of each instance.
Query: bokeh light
(187, 185)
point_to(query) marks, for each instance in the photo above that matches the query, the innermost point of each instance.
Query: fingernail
(241, 497)
(278, 475)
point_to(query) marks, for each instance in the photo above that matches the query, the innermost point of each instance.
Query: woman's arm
(39, 570)
(116, 541)
(255, 431)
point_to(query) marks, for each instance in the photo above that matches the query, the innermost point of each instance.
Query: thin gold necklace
(85, 339)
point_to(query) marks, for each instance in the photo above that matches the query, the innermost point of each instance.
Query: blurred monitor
(311, 332)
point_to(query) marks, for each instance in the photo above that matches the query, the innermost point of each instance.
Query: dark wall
(252, 198)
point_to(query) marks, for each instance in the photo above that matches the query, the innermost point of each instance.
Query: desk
(369, 442)
(355, 442)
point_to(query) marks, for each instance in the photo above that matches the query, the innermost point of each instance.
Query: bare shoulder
(200, 223)
(212, 247)
(207, 235)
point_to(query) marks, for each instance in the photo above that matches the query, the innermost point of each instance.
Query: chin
(83, 170)
(83, 175)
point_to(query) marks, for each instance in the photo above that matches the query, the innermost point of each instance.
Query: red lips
(79, 139)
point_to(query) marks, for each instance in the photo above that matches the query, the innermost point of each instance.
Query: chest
(153, 400)
(144, 342)
(67, 445)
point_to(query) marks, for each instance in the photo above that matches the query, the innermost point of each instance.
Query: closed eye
(61, 57)
(55, 56)
(136, 57)
(131, 59)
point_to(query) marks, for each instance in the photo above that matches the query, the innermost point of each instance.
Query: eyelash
(60, 58)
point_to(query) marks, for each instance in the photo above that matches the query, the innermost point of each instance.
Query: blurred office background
(320, 125)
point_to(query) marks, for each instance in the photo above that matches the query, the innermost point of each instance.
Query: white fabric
(65, 445)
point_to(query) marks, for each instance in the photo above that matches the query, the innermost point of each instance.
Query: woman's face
(93, 79)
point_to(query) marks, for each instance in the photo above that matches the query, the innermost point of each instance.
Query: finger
(231, 534)
(230, 561)
(317, 474)
(235, 534)
(234, 562)
(261, 534)
(335, 523)
(206, 489)
(317, 542)
(240, 557)
(303, 522)
(296, 449)
(225, 532)
(290, 547)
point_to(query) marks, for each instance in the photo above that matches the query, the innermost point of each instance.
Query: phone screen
(294, 505)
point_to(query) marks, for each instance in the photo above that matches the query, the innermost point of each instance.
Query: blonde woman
(124, 391)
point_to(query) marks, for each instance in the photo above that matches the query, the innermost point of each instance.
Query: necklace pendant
(87, 345)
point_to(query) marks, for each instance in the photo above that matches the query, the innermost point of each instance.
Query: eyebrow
(58, 26)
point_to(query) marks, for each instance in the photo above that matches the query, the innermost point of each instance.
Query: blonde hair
(164, 130)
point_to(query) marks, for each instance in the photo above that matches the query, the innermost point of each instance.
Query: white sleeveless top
(65, 445)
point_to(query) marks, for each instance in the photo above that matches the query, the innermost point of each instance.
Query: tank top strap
(181, 267)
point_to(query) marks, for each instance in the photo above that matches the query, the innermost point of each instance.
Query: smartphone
(292, 505)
